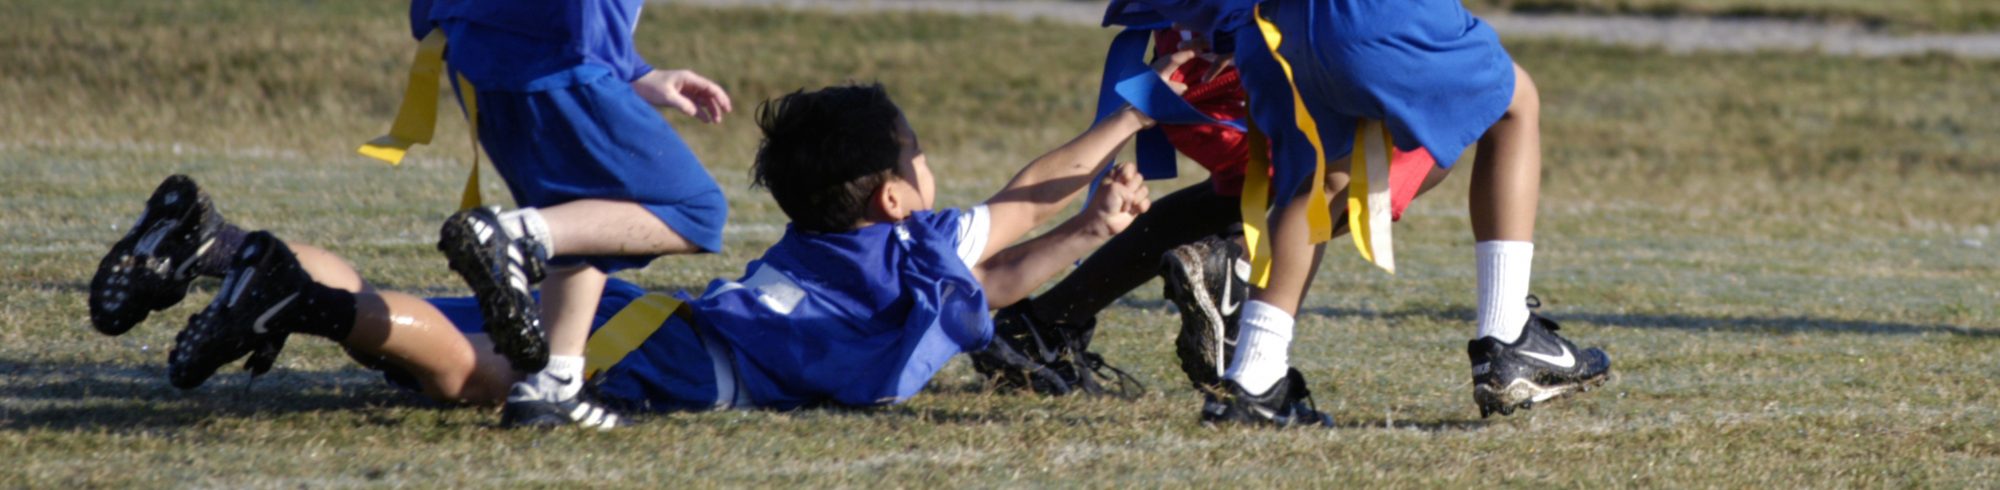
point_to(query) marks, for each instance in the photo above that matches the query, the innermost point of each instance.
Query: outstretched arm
(1046, 185)
(1010, 274)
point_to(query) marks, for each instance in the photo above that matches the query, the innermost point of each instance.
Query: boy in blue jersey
(566, 109)
(865, 297)
(1437, 78)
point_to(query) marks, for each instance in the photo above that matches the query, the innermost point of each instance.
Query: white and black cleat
(1208, 281)
(501, 269)
(1537, 367)
(263, 280)
(1288, 404)
(150, 267)
(529, 407)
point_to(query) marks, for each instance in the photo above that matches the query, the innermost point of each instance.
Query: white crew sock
(1504, 269)
(1264, 334)
(549, 383)
(528, 223)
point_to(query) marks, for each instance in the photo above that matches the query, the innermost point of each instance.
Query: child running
(864, 298)
(566, 110)
(1189, 237)
(1439, 79)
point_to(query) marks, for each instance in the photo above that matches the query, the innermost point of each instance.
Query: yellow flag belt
(416, 118)
(1369, 202)
(628, 329)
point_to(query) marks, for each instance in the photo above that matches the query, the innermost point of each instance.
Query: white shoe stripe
(241, 284)
(596, 417)
(258, 327)
(581, 410)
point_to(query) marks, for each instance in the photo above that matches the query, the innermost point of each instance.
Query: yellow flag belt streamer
(416, 118)
(627, 330)
(1369, 200)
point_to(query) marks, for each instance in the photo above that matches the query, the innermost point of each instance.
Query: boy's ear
(886, 204)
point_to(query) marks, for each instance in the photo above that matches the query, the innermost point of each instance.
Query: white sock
(1264, 334)
(528, 223)
(550, 382)
(1504, 269)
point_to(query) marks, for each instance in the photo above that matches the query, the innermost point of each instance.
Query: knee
(1527, 103)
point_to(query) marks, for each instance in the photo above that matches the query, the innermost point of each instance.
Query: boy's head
(840, 158)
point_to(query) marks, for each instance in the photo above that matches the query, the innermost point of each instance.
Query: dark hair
(825, 153)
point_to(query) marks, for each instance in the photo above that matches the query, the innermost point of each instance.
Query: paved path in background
(1680, 35)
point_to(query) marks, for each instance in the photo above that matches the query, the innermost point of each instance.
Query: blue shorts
(676, 369)
(1434, 74)
(599, 140)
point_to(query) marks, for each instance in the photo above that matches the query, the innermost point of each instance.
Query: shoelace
(1534, 303)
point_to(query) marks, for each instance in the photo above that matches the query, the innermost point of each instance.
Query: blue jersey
(534, 45)
(857, 318)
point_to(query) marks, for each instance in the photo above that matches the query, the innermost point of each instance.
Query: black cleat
(1288, 404)
(1538, 367)
(1049, 359)
(1208, 281)
(263, 279)
(527, 407)
(150, 268)
(501, 269)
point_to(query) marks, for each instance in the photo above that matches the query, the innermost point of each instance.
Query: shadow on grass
(99, 396)
(1691, 323)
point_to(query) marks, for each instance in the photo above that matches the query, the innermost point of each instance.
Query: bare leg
(328, 269)
(412, 334)
(601, 227)
(1294, 258)
(1507, 170)
(569, 304)
(409, 333)
(594, 227)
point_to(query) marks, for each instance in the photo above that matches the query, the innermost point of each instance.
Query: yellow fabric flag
(416, 117)
(1369, 199)
(1369, 203)
(626, 331)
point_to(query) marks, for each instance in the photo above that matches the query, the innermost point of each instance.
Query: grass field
(1790, 258)
(1910, 15)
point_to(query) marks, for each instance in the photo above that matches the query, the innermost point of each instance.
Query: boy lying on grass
(865, 297)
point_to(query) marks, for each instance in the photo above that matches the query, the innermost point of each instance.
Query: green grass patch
(1789, 257)
(1905, 15)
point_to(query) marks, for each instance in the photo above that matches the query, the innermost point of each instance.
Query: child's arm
(1011, 274)
(1045, 187)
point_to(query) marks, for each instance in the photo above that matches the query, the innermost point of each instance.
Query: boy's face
(912, 168)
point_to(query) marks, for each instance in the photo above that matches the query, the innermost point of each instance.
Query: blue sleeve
(614, 45)
(420, 18)
(942, 223)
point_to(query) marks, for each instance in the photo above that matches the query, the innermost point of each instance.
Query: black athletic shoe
(501, 269)
(264, 278)
(527, 407)
(1288, 404)
(150, 268)
(1049, 359)
(1208, 281)
(1537, 367)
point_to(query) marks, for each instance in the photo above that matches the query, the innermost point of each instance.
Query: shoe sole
(129, 285)
(1525, 394)
(514, 335)
(1201, 345)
